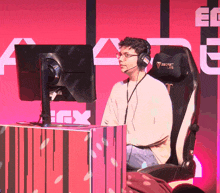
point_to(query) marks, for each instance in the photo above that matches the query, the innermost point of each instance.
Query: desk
(37, 159)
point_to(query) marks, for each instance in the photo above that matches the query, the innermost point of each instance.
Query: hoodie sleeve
(110, 113)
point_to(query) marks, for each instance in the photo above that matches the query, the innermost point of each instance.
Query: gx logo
(67, 116)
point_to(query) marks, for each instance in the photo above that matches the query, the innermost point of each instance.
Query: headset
(144, 57)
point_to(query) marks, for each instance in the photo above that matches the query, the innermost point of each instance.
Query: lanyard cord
(128, 99)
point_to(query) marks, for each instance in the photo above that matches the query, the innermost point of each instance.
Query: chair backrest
(176, 68)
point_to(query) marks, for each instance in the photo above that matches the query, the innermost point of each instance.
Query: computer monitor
(55, 72)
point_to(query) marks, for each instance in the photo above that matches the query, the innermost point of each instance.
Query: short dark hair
(138, 44)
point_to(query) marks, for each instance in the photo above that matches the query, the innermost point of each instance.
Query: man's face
(127, 59)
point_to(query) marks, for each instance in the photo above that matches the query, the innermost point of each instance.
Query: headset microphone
(129, 69)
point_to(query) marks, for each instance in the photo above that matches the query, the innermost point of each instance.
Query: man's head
(133, 52)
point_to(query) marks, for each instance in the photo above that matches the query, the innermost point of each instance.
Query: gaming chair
(176, 68)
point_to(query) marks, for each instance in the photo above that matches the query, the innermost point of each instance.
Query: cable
(128, 99)
(132, 120)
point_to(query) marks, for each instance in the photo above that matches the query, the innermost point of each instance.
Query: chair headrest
(172, 67)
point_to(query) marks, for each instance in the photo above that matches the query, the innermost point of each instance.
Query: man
(143, 104)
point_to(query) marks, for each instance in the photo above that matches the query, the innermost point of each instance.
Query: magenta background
(64, 22)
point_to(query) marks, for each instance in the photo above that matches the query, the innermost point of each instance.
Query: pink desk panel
(62, 159)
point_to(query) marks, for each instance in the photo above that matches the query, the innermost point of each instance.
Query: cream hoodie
(149, 114)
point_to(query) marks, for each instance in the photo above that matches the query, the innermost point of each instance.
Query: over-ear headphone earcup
(143, 60)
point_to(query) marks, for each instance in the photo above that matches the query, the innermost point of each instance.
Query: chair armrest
(169, 172)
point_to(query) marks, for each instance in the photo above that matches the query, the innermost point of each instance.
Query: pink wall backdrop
(64, 22)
